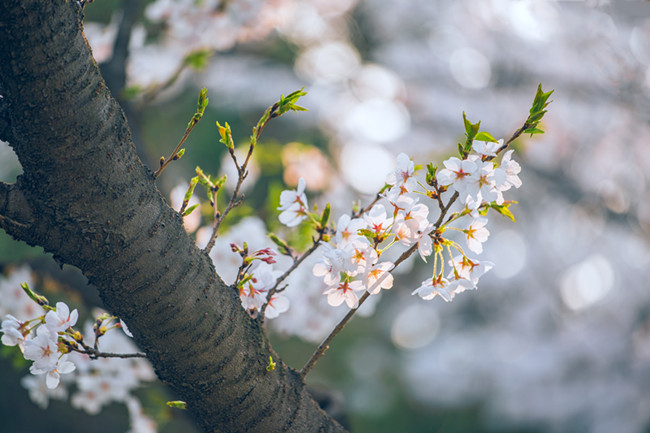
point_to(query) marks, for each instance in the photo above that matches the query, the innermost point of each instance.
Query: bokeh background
(556, 339)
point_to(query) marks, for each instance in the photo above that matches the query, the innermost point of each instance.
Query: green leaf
(178, 404)
(190, 209)
(324, 219)
(131, 92)
(471, 129)
(282, 244)
(432, 170)
(190, 190)
(271, 365)
(198, 60)
(288, 102)
(39, 299)
(537, 111)
(226, 135)
(503, 209)
(202, 103)
(485, 136)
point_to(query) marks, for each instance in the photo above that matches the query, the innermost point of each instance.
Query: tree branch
(94, 205)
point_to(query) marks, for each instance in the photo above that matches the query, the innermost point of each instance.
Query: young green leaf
(178, 404)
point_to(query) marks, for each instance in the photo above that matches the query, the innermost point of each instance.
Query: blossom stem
(322, 348)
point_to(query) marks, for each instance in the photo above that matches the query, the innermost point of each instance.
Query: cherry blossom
(293, 205)
(471, 270)
(487, 148)
(61, 319)
(42, 349)
(506, 175)
(377, 220)
(432, 287)
(12, 330)
(336, 295)
(460, 175)
(278, 304)
(483, 186)
(347, 229)
(333, 262)
(363, 255)
(402, 179)
(476, 234)
(372, 275)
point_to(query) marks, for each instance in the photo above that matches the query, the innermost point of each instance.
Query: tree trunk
(85, 197)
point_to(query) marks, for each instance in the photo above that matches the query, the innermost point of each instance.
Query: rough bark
(87, 198)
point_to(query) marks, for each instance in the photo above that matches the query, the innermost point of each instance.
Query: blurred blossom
(640, 43)
(470, 68)
(328, 63)
(308, 162)
(376, 81)
(302, 23)
(251, 230)
(415, 326)
(9, 164)
(152, 65)
(534, 20)
(364, 166)
(508, 251)
(587, 282)
(378, 120)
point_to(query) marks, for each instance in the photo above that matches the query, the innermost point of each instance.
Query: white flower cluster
(350, 263)
(55, 370)
(40, 342)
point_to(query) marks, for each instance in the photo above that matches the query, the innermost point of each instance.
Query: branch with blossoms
(477, 182)
(352, 252)
(47, 340)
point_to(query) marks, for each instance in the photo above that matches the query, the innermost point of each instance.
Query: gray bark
(86, 197)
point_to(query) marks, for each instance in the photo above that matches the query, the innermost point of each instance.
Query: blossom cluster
(56, 369)
(351, 261)
(39, 341)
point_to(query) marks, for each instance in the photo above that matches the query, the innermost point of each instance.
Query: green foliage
(198, 60)
(201, 105)
(288, 102)
(471, 129)
(226, 135)
(178, 404)
(503, 209)
(537, 112)
(432, 170)
(271, 365)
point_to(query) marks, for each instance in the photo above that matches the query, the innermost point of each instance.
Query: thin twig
(242, 172)
(94, 354)
(322, 348)
(178, 146)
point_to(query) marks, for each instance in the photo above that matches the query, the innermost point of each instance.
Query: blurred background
(557, 337)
